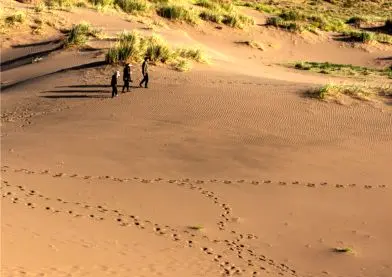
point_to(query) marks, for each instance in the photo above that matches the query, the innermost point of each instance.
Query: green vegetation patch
(341, 69)
(360, 92)
(178, 13)
(16, 18)
(133, 6)
(79, 34)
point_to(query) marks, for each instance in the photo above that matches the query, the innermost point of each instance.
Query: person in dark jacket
(114, 83)
(127, 77)
(145, 73)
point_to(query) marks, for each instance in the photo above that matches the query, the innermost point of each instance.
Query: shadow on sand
(78, 67)
(75, 96)
(77, 90)
(41, 43)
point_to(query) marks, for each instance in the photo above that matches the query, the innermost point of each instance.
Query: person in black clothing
(145, 73)
(127, 77)
(114, 83)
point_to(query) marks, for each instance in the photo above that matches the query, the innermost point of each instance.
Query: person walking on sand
(127, 77)
(145, 73)
(115, 76)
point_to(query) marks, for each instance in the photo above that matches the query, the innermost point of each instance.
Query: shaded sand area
(226, 170)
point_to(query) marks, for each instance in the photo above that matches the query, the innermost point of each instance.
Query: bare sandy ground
(227, 170)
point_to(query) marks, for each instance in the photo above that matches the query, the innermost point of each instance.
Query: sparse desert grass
(192, 54)
(134, 47)
(237, 20)
(356, 21)
(341, 69)
(182, 65)
(233, 19)
(102, 5)
(60, 4)
(133, 6)
(360, 92)
(315, 16)
(15, 18)
(212, 16)
(367, 37)
(40, 7)
(218, 11)
(79, 34)
(359, 36)
(216, 5)
(298, 22)
(178, 13)
(383, 38)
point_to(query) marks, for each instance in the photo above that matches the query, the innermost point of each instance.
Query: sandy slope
(94, 186)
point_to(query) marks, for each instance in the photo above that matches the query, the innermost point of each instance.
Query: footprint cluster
(253, 263)
(193, 184)
(19, 194)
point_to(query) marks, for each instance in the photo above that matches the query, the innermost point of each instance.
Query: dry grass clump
(223, 13)
(178, 13)
(133, 6)
(79, 34)
(341, 69)
(360, 92)
(15, 18)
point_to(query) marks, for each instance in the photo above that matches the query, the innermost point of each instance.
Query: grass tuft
(183, 65)
(360, 36)
(341, 69)
(360, 92)
(133, 6)
(79, 34)
(17, 17)
(178, 13)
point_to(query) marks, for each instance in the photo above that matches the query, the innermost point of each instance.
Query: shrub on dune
(364, 37)
(59, 3)
(361, 92)
(236, 20)
(102, 3)
(178, 13)
(193, 54)
(182, 65)
(132, 6)
(17, 17)
(212, 16)
(79, 34)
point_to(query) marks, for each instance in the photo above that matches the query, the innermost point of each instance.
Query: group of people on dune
(127, 77)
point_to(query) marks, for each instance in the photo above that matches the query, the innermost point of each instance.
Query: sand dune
(227, 170)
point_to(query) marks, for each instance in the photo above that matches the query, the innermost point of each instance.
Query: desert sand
(226, 170)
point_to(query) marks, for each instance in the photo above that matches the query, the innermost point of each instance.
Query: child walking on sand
(115, 76)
